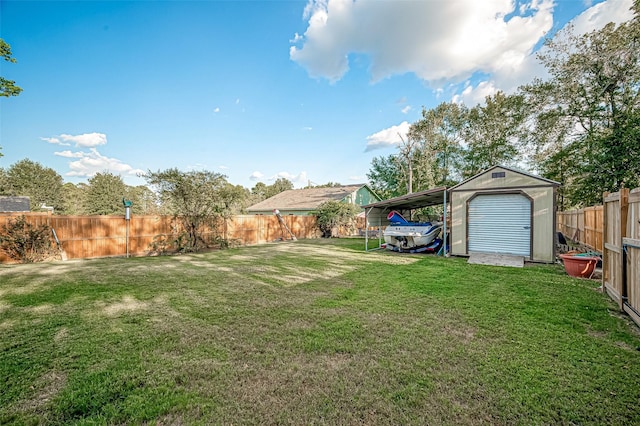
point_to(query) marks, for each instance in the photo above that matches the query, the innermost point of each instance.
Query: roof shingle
(304, 199)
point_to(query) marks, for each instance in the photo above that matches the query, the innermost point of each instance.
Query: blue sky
(256, 90)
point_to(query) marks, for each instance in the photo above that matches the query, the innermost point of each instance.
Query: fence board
(615, 218)
(631, 246)
(84, 237)
(584, 226)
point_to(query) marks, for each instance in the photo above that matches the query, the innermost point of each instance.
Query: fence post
(615, 228)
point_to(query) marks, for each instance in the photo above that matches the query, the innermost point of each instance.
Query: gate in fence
(621, 250)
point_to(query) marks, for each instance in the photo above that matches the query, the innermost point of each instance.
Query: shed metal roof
(549, 181)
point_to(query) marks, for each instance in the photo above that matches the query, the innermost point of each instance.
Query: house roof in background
(14, 204)
(304, 199)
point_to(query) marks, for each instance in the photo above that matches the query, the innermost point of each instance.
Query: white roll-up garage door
(500, 223)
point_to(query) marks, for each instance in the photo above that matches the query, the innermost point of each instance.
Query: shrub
(333, 215)
(25, 242)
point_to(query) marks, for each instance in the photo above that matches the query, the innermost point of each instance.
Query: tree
(74, 198)
(328, 185)
(386, 178)
(105, 194)
(280, 185)
(7, 87)
(492, 133)
(42, 185)
(333, 214)
(588, 112)
(235, 198)
(439, 152)
(195, 198)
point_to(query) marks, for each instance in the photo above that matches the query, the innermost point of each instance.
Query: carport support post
(445, 222)
(366, 230)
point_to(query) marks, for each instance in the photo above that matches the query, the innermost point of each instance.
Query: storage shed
(504, 211)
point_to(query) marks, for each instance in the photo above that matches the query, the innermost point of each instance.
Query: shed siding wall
(543, 210)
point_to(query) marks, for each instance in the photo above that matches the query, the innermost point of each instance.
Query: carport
(375, 214)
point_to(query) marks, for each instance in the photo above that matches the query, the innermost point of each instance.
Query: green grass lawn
(311, 332)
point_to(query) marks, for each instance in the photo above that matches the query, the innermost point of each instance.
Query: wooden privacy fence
(584, 226)
(621, 254)
(85, 237)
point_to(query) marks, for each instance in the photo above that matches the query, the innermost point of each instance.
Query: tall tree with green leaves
(7, 87)
(74, 197)
(386, 177)
(280, 185)
(440, 136)
(589, 111)
(42, 185)
(105, 193)
(195, 198)
(492, 133)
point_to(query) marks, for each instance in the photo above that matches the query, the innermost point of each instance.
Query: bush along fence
(84, 237)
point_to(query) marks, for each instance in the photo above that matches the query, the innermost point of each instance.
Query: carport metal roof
(416, 200)
(377, 212)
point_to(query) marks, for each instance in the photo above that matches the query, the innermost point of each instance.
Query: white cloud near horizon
(387, 137)
(256, 176)
(300, 178)
(92, 162)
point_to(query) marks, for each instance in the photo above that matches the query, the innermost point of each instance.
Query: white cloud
(299, 178)
(307, 128)
(69, 154)
(256, 175)
(86, 140)
(601, 14)
(508, 79)
(216, 110)
(93, 162)
(55, 141)
(387, 137)
(296, 38)
(436, 40)
(441, 42)
(406, 109)
(223, 167)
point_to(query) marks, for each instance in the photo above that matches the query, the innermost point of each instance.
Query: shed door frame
(518, 192)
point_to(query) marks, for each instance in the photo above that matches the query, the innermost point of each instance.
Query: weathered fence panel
(584, 226)
(84, 237)
(631, 252)
(615, 221)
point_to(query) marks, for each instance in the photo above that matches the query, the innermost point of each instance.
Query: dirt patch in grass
(128, 304)
(46, 388)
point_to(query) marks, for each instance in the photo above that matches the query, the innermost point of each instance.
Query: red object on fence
(579, 266)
